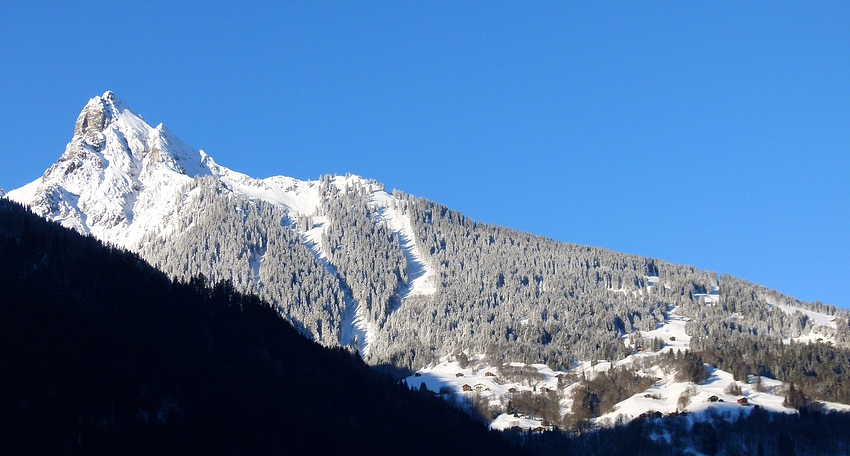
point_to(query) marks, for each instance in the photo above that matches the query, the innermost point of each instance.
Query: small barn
(459, 374)
(743, 401)
(466, 387)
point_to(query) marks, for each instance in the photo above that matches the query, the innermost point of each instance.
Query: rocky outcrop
(95, 117)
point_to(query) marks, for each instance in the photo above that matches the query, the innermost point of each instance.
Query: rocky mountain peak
(115, 169)
(98, 114)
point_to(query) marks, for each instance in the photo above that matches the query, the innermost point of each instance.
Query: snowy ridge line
(297, 197)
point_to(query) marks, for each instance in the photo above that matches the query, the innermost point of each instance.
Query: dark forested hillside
(102, 354)
(759, 433)
(231, 238)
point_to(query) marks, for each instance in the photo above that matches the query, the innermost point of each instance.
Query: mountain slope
(104, 355)
(403, 280)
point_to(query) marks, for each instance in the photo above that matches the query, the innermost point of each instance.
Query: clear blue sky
(705, 133)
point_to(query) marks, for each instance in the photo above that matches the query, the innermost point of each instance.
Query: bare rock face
(94, 118)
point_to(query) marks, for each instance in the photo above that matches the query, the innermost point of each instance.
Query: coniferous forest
(760, 433)
(497, 290)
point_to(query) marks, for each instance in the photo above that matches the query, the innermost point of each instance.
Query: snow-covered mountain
(119, 176)
(138, 187)
(403, 280)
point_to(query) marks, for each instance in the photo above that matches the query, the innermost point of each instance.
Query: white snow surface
(672, 332)
(811, 337)
(26, 193)
(650, 282)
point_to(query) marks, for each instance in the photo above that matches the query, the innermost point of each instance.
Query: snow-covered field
(672, 332)
(706, 399)
(485, 382)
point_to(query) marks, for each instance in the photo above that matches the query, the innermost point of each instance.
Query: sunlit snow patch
(711, 298)
(419, 273)
(817, 317)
